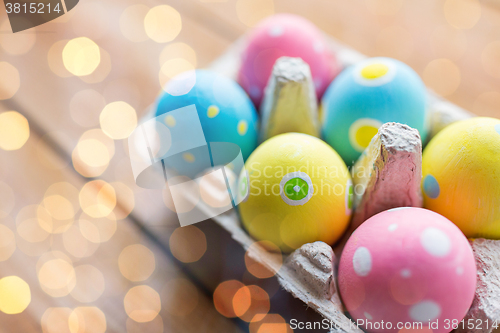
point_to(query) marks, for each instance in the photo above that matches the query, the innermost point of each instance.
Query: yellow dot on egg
(213, 111)
(362, 131)
(170, 121)
(242, 127)
(15, 295)
(188, 157)
(374, 71)
(365, 134)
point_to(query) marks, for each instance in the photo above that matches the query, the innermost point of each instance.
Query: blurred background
(82, 248)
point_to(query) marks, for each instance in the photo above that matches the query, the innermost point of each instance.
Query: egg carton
(309, 273)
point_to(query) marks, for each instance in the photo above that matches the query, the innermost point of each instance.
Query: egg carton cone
(290, 103)
(309, 273)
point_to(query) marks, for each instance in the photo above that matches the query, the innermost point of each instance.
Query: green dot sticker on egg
(296, 188)
(243, 186)
(349, 196)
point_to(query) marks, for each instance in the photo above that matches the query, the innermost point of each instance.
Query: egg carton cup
(309, 273)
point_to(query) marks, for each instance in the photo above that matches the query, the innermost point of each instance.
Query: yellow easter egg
(299, 191)
(461, 176)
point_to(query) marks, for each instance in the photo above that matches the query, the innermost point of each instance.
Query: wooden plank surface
(462, 64)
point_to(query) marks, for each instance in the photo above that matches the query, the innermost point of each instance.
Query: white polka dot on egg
(318, 46)
(392, 227)
(406, 273)
(368, 316)
(276, 31)
(435, 242)
(362, 261)
(425, 311)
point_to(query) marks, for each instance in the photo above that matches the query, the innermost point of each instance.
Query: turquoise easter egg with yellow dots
(461, 176)
(365, 96)
(295, 189)
(225, 111)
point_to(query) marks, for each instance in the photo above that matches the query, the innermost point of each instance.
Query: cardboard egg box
(309, 273)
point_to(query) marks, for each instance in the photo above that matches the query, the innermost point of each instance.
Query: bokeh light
(118, 120)
(188, 244)
(85, 107)
(55, 59)
(89, 284)
(180, 297)
(57, 277)
(7, 199)
(56, 320)
(462, 14)
(223, 297)
(15, 44)
(102, 70)
(250, 12)
(271, 323)
(59, 207)
(88, 319)
(448, 42)
(132, 23)
(93, 153)
(396, 42)
(28, 225)
(15, 295)
(7, 243)
(91, 20)
(251, 303)
(162, 23)
(97, 198)
(136, 262)
(183, 204)
(242, 300)
(442, 76)
(76, 244)
(384, 7)
(86, 160)
(81, 56)
(487, 103)
(257, 269)
(97, 230)
(125, 196)
(178, 50)
(142, 303)
(14, 128)
(173, 67)
(9, 80)
(153, 326)
(491, 59)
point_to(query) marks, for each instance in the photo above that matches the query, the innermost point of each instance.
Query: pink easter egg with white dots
(284, 35)
(407, 267)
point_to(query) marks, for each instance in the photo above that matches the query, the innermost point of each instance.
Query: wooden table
(452, 44)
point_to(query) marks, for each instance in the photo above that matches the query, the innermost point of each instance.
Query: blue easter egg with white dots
(225, 111)
(365, 96)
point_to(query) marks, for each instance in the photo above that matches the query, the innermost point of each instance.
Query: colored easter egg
(461, 176)
(284, 35)
(296, 190)
(225, 112)
(367, 95)
(407, 266)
